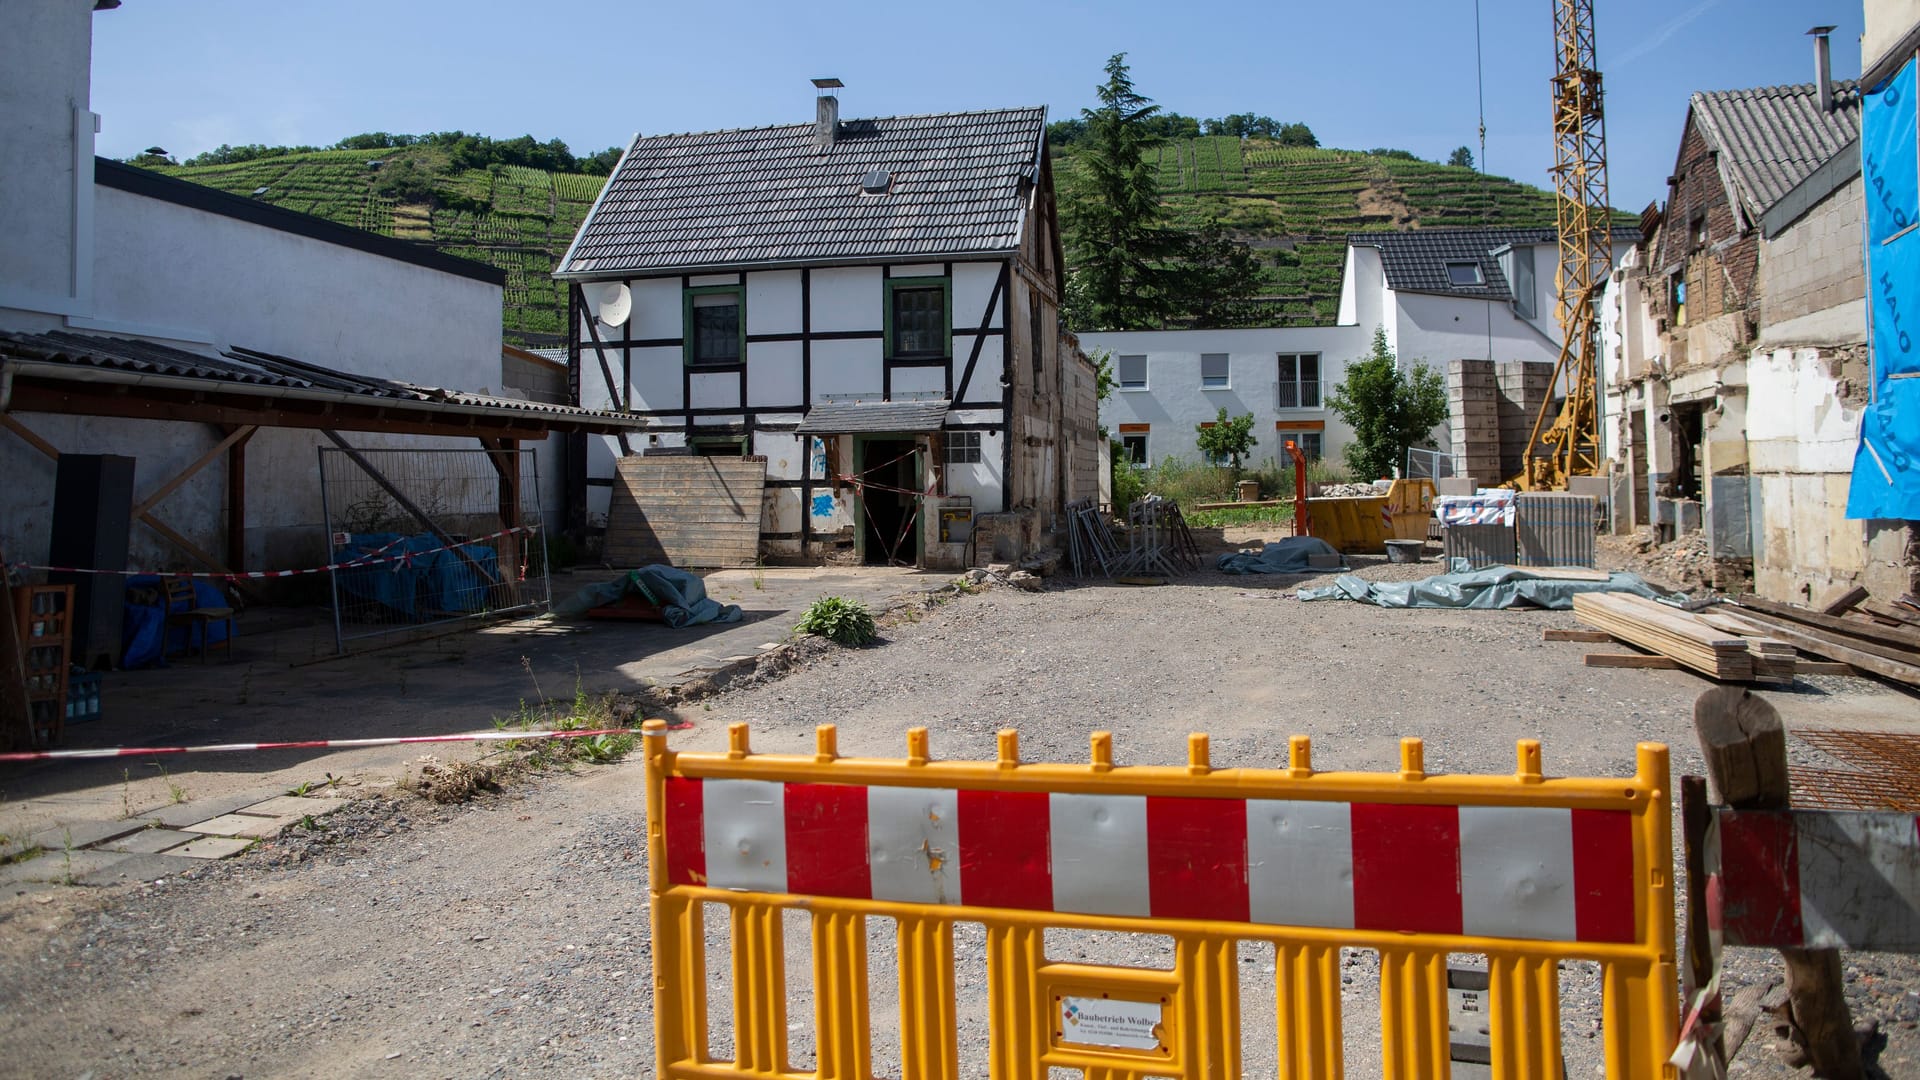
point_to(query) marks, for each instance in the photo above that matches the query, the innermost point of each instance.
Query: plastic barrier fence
(1526, 869)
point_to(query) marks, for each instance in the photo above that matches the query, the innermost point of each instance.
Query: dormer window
(1465, 273)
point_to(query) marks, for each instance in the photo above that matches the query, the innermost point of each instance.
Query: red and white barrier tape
(372, 559)
(308, 744)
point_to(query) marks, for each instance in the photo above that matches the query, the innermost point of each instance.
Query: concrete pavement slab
(194, 811)
(210, 847)
(296, 806)
(149, 841)
(244, 825)
(136, 868)
(86, 833)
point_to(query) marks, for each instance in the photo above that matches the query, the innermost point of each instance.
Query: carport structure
(237, 391)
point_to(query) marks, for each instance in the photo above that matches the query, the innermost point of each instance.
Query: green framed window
(715, 317)
(919, 318)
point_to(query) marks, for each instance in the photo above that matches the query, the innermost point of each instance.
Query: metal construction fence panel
(1526, 869)
(421, 537)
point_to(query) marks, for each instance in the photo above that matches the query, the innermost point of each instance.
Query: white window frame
(1226, 374)
(1299, 437)
(1298, 384)
(963, 448)
(1119, 372)
(1479, 275)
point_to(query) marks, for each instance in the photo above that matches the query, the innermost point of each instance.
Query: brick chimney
(826, 123)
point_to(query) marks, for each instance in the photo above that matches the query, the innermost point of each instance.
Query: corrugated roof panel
(1771, 138)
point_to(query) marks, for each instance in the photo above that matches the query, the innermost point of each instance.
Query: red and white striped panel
(1508, 872)
(1820, 880)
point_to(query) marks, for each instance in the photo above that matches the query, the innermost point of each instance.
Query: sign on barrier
(1527, 869)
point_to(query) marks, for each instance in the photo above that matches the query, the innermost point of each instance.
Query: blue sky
(189, 75)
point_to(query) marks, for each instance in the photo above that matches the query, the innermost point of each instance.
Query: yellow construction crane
(1567, 444)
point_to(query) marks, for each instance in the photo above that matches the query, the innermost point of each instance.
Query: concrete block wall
(1473, 409)
(1815, 263)
(1524, 388)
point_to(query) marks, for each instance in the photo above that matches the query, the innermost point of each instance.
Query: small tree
(1227, 439)
(1462, 156)
(1389, 409)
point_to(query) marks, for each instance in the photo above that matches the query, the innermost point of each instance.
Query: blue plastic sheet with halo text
(1886, 464)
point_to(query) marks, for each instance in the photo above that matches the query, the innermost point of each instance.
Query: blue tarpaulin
(682, 597)
(1288, 556)
(143, 625)
(1488, 587)
(1886, 465)
(431, 581)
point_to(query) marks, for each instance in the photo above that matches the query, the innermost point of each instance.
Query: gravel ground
(508, 936)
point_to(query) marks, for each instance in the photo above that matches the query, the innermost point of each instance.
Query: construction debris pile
(1683, 563)
(1748, 639)
(1156, 535)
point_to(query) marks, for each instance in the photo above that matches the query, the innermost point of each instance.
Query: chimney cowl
(1822, 66)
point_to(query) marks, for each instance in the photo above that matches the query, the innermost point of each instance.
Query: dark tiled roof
(767, 195)
(1771, 138)
(238, 367)
(1415, 260)
(843, 417)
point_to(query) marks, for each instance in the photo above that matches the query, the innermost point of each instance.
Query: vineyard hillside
(1294, 206)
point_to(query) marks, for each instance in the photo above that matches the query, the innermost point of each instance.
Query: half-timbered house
(872, 305)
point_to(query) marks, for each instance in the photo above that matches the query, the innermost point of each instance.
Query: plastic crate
(83, 696)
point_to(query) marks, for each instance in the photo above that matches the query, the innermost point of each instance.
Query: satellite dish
(611, 302)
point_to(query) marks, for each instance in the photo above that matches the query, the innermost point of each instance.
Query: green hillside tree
(1112, 211)
(1128, 271)
(1228, 439)
(1389, 409)
(1462, 156)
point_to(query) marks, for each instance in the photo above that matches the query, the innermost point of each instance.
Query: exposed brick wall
(1720, 279)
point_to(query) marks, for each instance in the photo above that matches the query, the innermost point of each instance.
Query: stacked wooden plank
(1865, 642)
(1773, 660)
(1682, 636)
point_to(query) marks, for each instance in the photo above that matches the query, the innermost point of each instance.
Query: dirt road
(508, 936)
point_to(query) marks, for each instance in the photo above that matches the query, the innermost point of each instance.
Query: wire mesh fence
(1429, 463)
(424, 537)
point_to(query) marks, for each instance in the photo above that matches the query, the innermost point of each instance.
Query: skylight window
(1464, 273)
(876, 182)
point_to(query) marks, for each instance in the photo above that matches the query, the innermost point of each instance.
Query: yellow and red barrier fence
(1527, 869)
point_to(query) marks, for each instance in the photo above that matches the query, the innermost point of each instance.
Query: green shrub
(843, 622)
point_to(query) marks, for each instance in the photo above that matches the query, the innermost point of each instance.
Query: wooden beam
(407, 504)
(606, 370)
(237, 506)
(1632, 660)
(194, 552)
(1908, 640)
(236, 409)
(1801, 638)
(1822, 667)
(1842, 600)
(1746, 750)
(1591, 637)
(237, 435)
(28, 436)
(16, 711)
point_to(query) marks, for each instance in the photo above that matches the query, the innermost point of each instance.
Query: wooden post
(16, 714)
(505, 456)
(1695, 815)
(237, 505)
(1746, 751)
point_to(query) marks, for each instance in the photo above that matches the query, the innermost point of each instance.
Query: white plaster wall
(847, 298)
(654, 373)
(237, 283)
(981, 482)
(1174, 403)
(46, 51)
(1434, 329)
(847, 368)
(1800, 445)
(774, 372)
(773, 303)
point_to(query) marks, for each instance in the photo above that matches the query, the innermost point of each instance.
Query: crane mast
(1567, 444)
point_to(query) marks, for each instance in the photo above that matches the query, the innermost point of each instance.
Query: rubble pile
(1342, 491)
(1683, 563)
